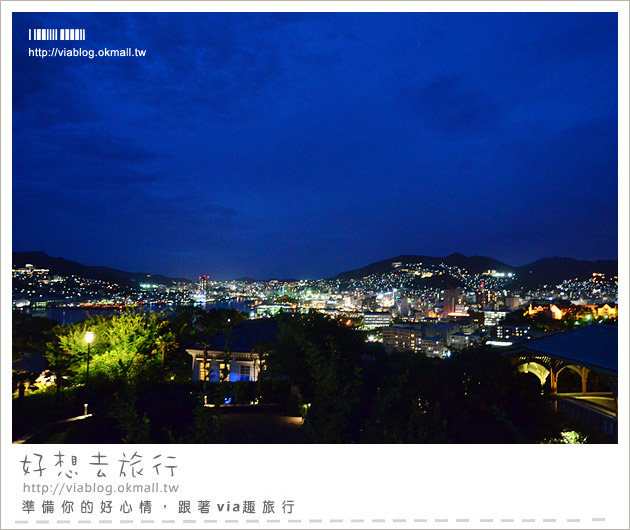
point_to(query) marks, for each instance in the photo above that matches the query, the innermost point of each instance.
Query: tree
(405, 407)
(61, 360)
(132, 347)
(193, 324)
(30, 334)
(354, 392)
(67, 352)
(485, 400)
(323, 361)
(127, 348)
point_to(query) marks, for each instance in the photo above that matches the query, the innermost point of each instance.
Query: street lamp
(89, 337)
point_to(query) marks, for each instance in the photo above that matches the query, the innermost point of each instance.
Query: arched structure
(590, 349)
(536, 368)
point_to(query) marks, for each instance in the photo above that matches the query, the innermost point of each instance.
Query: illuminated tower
(204, 286)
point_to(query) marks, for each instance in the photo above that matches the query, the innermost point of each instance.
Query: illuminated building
(376, 320)
(559, 311)
(504, 332)
(211, 363)
(452, 298)
(556, 312)
(493, 318)
(435, 347)
(272, 310)
(29, 270)
(443, 330)
(607, 311)
(403, 338)
(552, 310)
(204, 286)
(481, 295)
(401, 305)
(460, 341)
(512, 302)
(410, 338)
(369, 303)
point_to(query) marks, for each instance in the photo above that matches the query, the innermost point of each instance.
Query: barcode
(56, 34)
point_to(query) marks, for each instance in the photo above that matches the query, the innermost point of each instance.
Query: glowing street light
(89, 338)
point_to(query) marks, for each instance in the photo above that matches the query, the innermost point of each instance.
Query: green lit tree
(127, 348)
(62, 361)
(132, 347)
(67, 352)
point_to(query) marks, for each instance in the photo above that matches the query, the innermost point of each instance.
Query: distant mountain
(65, 267)
(550, 271)
(553, 271)
(247, 279)
(474, 264)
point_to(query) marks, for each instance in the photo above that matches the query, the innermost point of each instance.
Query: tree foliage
(127, 348)
(354, 392)
(132, 347)
(30, 334)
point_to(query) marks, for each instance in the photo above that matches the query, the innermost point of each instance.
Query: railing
(591, 416)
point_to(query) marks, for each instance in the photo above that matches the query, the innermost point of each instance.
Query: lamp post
(89, 337)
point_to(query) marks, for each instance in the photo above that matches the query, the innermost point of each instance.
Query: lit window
(224, 371)
(203, 370)
(244, 372)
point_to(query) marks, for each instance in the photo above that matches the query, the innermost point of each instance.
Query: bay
(65, 316)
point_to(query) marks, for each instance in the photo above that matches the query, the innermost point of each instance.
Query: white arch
(535, 368)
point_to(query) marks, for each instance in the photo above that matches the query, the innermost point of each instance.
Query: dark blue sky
(302, 145)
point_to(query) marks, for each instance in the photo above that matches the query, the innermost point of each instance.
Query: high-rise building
(452, 298)
(204, 286)
(401, 305)
(482, 295)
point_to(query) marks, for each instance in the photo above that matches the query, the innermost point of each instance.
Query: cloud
(571, 37)
(448, 106)
(240, 137)
(580, 160)
(103, 147)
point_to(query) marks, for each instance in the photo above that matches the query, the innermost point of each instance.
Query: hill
(65, 267)
(551, 271)
(474, 264)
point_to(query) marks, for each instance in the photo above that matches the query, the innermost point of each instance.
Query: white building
(376, 320)
(210, 362)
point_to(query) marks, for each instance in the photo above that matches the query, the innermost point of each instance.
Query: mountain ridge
(65, 267)
(551, 270)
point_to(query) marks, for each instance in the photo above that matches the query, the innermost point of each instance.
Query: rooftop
(243, 337)
(593, 346)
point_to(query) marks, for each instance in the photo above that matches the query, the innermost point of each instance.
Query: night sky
(301, 145)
